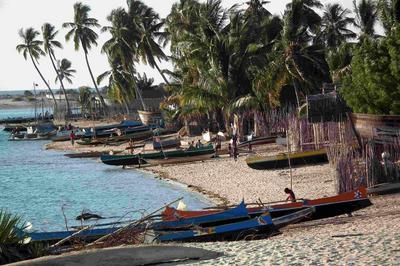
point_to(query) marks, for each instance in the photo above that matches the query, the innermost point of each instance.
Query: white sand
(234, 180)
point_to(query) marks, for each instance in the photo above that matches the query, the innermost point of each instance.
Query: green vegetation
(242, 59)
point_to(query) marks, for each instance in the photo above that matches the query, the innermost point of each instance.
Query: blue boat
(226, 232)
(258, 227)
(52, 237)
(238, 213)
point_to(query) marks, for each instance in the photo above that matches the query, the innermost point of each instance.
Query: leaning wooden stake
(137, 222)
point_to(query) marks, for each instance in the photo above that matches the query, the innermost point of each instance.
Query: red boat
(345, 203)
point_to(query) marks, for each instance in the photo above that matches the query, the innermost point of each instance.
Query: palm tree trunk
(103, 104)
(45, 82)
(162, 75)
(296, 92)
(52, 59)
(140, 96)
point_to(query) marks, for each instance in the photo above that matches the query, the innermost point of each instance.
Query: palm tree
(31, 47)
(148, 25)
(121, 57)
(49, 43)
(335, 21)
(389, 13)
(366, 17)
(65, 72)
(84, 36)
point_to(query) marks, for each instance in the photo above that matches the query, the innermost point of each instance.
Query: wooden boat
(177, 160)
(371, 126)
(135, 136)
(210, 219)
(230, 231)
(102, 130)
(281, 160)
(344, 203)
(260, 226)
(88, 235)
(94, 154)
(166, 142)
(383, 189)
(133, 159)
(255, 141)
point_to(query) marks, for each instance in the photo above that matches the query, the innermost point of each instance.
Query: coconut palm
(389, 13)
(65, 72)
(84, 36)
(335, 23)
(49, 43)
(120, 50)
(366, 17)
(31, 47)
(148, 25)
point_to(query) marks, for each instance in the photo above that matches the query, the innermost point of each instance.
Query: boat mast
(34, 91)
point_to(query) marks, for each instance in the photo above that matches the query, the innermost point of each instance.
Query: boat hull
(282, 160)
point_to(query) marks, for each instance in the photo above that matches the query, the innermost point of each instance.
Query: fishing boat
(178, 160)
(135, 135)
(344, 203)
(64, 135)
(166, 142)
(282, 160)
(88, 235)
(237, 213)
(135, 159)
(42, 131)
(255, 141)
(105, 130)
(259, 227)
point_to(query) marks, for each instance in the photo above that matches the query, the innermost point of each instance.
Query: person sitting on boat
(72, 137)
(291, 196)
(191, 145)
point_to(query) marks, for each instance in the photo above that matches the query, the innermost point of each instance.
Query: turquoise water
(36, 184)
(23, 112)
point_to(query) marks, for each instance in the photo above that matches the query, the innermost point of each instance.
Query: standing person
(72, 137)
(291, 196)
(235, 149)
(130, 146)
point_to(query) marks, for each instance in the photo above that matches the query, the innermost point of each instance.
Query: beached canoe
(344, 203)
(178, 160)
(255, 141)
(133, 159)
(261, 226)
(166, 142)
(282, 160)
(88, 235)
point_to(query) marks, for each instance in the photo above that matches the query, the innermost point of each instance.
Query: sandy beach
(371, 236)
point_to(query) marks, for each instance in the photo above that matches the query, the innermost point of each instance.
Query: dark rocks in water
(87, 216)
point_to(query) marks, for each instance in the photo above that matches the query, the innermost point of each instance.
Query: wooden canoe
(282, 160)
(369, 126)
(261, 226)
(178, 160)
(133, 159)
(257, 141)
(324, 207)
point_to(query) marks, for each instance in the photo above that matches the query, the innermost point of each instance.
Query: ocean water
(23, 112)
(38, 184)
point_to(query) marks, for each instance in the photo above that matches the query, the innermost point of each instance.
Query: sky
(18, 74)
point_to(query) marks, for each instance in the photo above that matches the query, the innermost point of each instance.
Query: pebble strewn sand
(234, 180)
